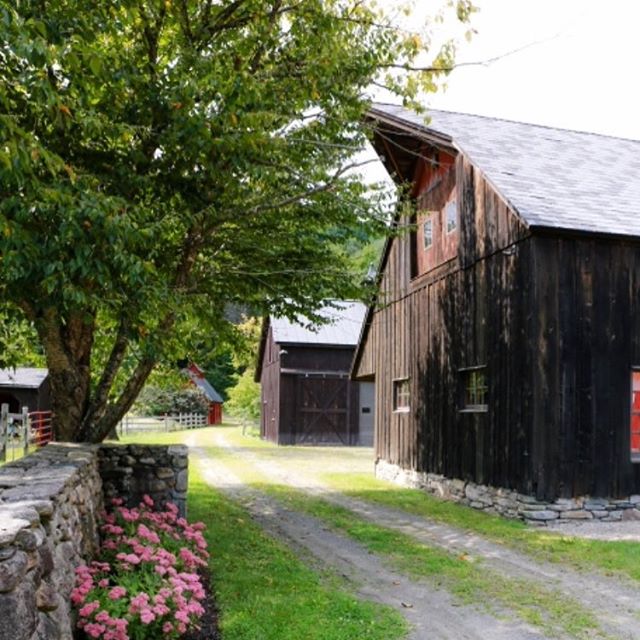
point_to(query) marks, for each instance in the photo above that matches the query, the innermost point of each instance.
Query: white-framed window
(451, 216)
(427, 233)
(401, 395)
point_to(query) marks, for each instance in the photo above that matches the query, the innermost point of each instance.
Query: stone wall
(512, 504)
(50, 506)
(131, 471)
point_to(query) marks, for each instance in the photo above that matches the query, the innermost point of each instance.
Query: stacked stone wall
(50, 508)
(512, 504)
(131, 471)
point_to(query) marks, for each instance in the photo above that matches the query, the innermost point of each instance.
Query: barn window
(635, 415)
(401, 395)
(474, 389)
(452, 216)
(427, 233)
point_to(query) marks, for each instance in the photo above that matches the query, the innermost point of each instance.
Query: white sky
(580, 68)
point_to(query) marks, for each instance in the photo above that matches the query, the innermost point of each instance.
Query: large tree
(162, 159)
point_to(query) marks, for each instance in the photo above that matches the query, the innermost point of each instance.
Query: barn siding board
(442, 322)
(270, 391)
(587, 335)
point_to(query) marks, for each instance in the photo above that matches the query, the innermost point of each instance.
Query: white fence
(138, 424)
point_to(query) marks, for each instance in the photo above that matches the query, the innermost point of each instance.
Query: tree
(162, 159)
(244, 397)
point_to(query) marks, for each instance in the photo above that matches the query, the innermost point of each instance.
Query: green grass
(620, 557)
(265, 592)
(461, 575)
(611, 557)
(464, 577)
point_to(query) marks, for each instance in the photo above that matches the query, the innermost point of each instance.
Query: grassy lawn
(263, 591)
(621, 557)
(469, 581)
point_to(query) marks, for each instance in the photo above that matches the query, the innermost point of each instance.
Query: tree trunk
(67, 348)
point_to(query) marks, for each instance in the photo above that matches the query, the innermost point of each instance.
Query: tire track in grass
(614, 603)
(432, 613)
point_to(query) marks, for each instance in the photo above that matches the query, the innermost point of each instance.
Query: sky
(572, 64)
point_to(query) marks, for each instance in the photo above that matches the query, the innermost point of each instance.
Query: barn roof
(22, 377)
(342, 329)
(196, 374)
(553, 178)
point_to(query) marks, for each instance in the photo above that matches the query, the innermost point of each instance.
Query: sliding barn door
(323, 410)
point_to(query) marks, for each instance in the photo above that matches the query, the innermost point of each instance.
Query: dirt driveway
(433, 612)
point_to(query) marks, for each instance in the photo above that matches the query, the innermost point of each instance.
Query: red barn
(215, 399)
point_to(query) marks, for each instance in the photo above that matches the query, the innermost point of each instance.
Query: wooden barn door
(322, 410)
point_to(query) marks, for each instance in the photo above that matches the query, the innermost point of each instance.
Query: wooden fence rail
(137, 424)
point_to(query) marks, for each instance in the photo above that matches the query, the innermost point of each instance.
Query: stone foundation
(50, 506)
(512, 504)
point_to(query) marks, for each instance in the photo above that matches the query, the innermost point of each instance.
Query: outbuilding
(504, 343)
(25, 387)
(306, 393)
(197, 377)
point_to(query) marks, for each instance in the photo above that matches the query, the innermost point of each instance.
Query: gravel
(599, 530)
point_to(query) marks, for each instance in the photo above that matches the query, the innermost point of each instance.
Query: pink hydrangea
(144, 547)
(89, 608)
(117, 592)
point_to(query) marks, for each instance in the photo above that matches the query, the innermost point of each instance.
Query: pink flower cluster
(145, 584)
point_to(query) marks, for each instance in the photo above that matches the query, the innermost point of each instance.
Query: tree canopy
(163, 159)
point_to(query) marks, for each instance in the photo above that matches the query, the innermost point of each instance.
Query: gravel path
(432, 613)
(599, 530)
(614, 601)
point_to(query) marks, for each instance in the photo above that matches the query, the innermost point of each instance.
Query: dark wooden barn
(505, 340)
(307, 395)
(25, 387)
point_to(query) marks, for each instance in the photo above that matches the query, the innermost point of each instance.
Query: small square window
(452, 216)
(475, 389)
(427, 233)
(401, 395)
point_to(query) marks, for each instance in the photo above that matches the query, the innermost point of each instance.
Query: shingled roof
(551, 177)
(342, 329)
(23, 377)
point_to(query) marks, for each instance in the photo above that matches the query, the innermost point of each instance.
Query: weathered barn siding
(270, 389)
(468, 311)
(556, 320)
(306, 392)
(587, 339)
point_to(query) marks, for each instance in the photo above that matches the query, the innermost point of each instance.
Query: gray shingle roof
(343, 328)
(207, 388)
(24, 377)
(551, 177)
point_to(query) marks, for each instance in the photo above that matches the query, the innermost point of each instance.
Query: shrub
(155, 401)
(145, 583)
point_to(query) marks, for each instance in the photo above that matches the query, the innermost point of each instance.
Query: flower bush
(145, 584)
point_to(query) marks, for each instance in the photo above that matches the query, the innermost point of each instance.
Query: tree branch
(98, 403)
